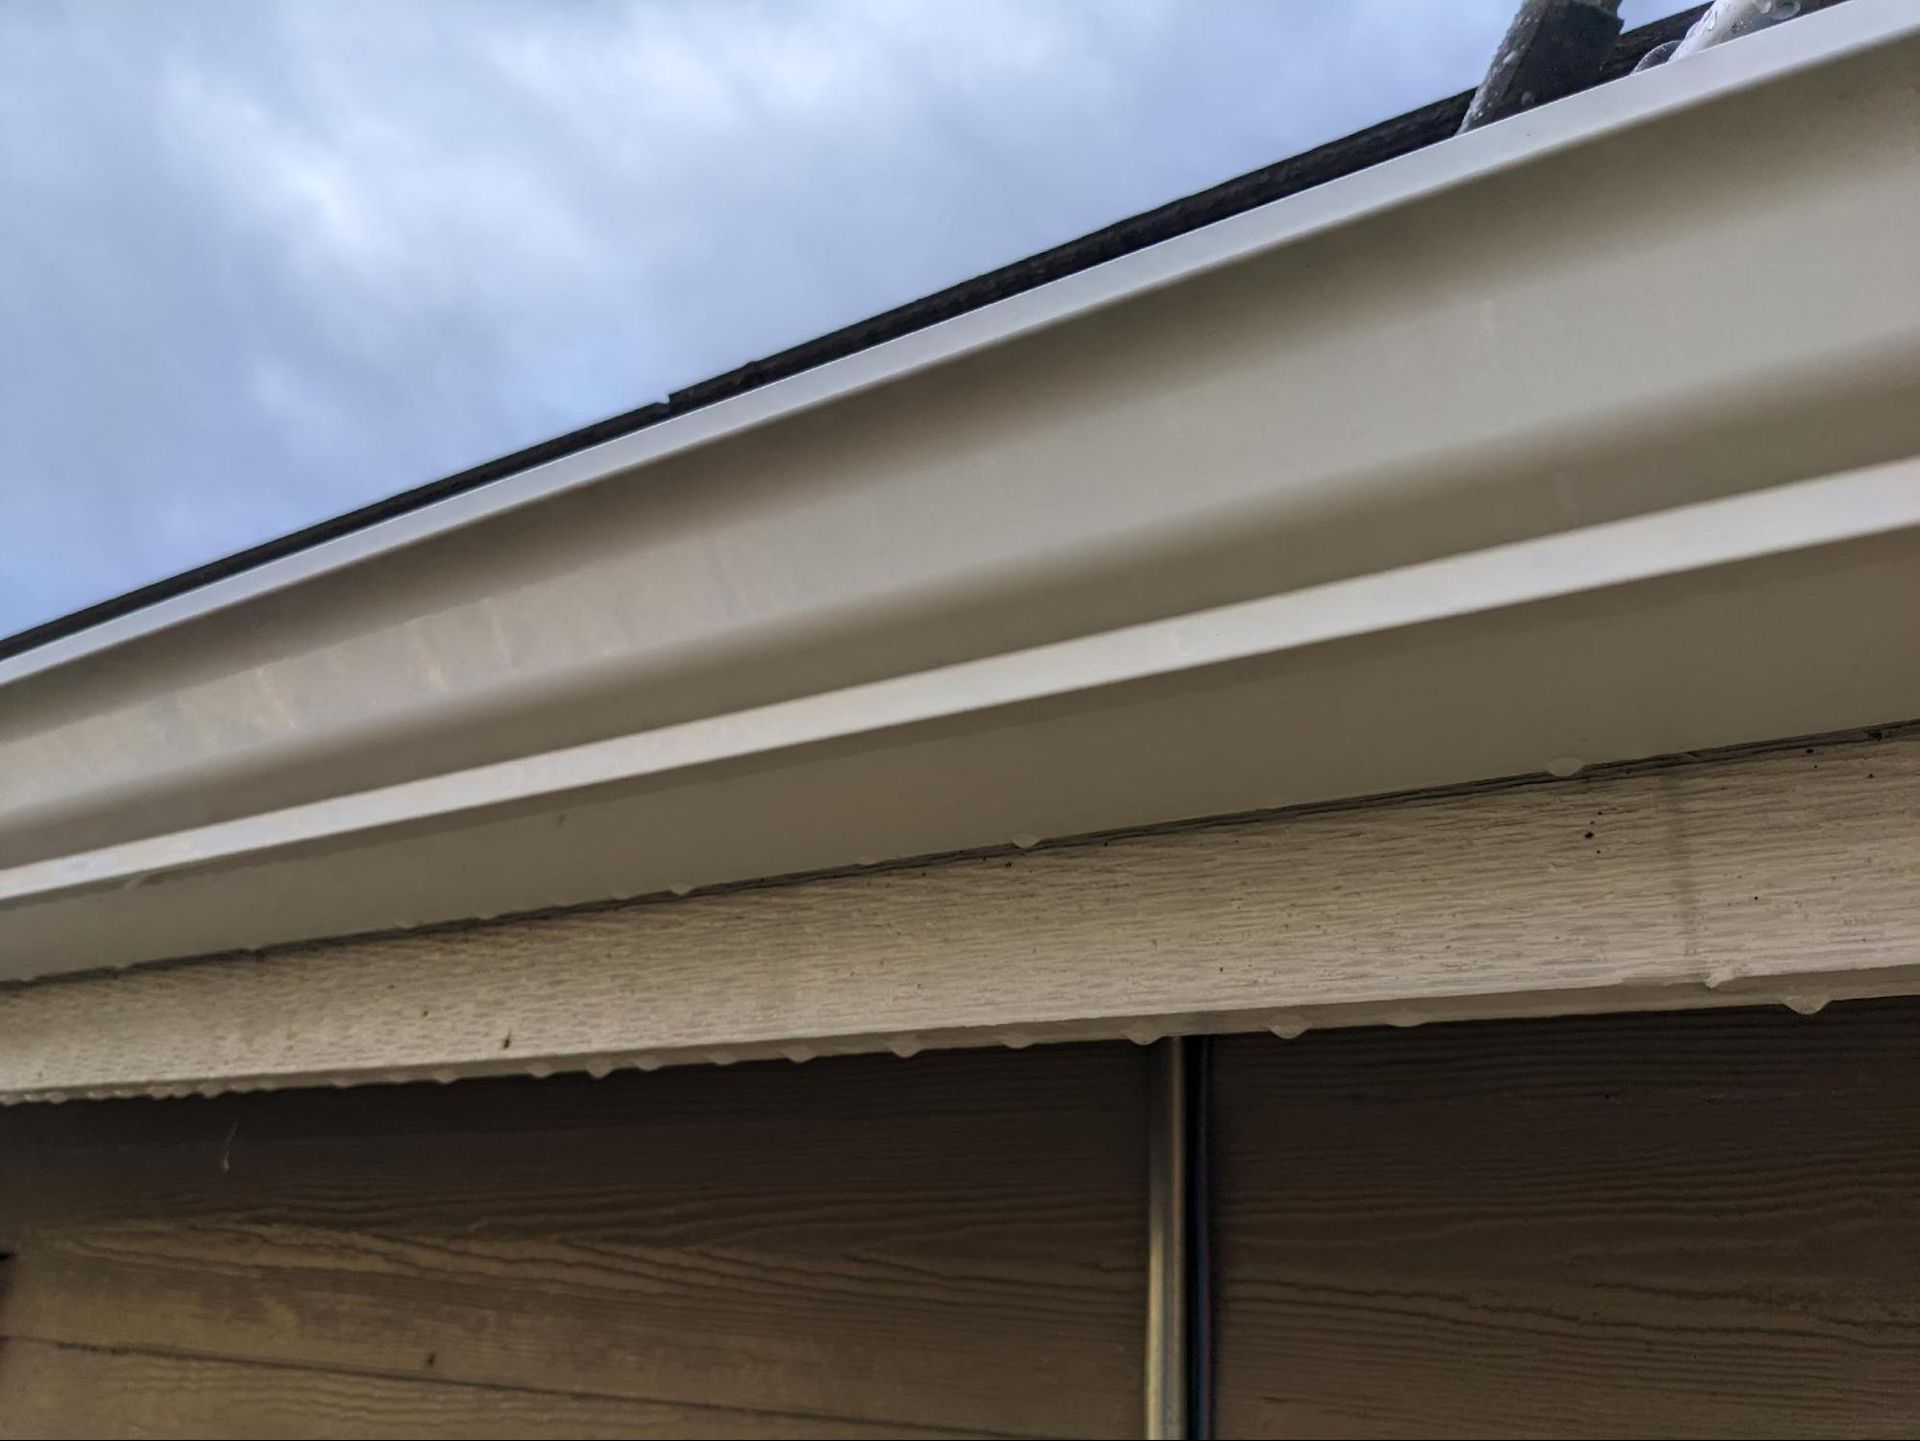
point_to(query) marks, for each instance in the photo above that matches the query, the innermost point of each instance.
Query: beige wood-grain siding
(70, 1391)
(1785, 875)
(1677, 1225)
(955, 1242)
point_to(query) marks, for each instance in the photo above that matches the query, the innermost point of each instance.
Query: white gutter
(1178, 545)
(1883, 500)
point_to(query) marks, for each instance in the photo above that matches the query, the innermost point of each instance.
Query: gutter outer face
(1585, 436)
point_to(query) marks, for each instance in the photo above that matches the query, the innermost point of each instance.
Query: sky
(264, 262)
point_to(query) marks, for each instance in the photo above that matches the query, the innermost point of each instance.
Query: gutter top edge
(1824, 37)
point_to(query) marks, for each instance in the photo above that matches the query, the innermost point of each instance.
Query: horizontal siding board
(54, 1391)
(1768, 876)
(951, 1241)
(1702, 1225)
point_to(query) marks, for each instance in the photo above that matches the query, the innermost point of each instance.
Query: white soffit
(1588, 435)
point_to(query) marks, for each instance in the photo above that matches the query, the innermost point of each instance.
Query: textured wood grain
(1781, 875)
(1702, 1225)
(62, 1391)
(954, 1241)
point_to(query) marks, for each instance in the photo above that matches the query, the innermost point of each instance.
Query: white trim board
(1782, 877)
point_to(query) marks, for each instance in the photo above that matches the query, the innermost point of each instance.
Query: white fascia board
(1546, 553)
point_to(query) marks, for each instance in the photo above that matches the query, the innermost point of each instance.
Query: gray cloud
(263, 262)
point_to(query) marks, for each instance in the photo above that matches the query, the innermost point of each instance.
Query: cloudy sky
(263, 262)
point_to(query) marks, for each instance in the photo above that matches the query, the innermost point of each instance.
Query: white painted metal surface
(1588, 434)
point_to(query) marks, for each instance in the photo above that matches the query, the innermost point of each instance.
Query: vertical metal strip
(1169, 1238)
(1199, 1152)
